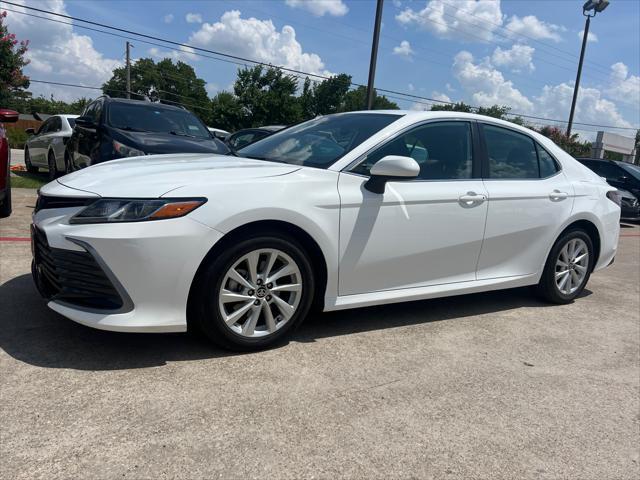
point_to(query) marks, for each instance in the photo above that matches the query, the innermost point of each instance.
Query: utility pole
(128, 70)
(374, 55)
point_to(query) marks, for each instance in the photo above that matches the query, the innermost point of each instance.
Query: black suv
(111, 128)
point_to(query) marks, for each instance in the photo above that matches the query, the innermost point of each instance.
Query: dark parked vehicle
(622, 175)
(111, 128)
(244, 137)
(6, 116)
(629, 206)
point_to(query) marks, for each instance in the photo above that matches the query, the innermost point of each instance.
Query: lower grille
(72, 277)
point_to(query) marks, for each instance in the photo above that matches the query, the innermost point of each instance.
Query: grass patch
(28, 180)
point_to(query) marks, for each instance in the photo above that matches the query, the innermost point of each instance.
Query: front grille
(45, 202)
(72, 277)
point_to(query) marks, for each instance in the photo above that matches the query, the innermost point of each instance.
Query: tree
(571, 145)
(50, 106)
(174, 83)
(267, 96)
(357, 100)
(12, 62)
(226, 112)
(452, 107)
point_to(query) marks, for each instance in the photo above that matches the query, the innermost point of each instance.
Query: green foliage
(12, 62)
(16, 136)
(226, 112)
(267, 96)
(28, 180)
(571, 145)
(173, 82)
(495, 111)
(452, 107)
(357, 100)
(49, 106)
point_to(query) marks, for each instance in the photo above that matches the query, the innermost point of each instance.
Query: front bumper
(150, 264)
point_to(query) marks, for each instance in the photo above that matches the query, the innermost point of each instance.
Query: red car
(6, 116)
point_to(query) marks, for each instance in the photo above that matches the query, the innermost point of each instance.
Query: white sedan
(342, 211)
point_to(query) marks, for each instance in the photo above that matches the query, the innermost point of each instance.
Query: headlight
(126, 151)
(112, 210)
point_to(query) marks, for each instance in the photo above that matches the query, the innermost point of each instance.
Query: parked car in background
(244, 137)
(45, 147)
(629, 206)
(219, 133)
(341, 211)
(622, 175)
(6, 116)
(111, 128)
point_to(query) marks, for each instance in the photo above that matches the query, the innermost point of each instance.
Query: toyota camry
(342, 211)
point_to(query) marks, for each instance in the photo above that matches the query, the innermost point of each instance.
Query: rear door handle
(557, 195)
(471, 199)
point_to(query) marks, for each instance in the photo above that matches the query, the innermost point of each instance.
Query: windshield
(633, 170)
(151, 118)
(319, 142)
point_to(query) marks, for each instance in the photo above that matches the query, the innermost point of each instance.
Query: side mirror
(85, 122)
(391, 167)
(30, 131)
(8, 116)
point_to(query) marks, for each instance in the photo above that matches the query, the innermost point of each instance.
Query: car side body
(45, 147)
(418, 239)
(6, 116)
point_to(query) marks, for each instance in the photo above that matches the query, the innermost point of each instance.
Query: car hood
(161, 143)
(156, 175)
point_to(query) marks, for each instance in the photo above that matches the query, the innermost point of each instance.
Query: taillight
(615, 197)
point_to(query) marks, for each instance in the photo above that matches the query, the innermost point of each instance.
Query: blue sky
(519, 53)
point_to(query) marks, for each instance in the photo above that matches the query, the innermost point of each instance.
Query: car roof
(143, 102)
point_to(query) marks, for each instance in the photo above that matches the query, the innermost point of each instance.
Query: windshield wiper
(131, 129)
(181, 134)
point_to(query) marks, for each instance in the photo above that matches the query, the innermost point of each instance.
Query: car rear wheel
(27, 162)
(53, 167)
(568, 268)
(253, 294)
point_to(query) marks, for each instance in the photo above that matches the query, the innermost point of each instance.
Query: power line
(244, 61)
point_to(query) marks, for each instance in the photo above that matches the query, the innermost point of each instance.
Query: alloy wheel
(572, 266)
(260, 293)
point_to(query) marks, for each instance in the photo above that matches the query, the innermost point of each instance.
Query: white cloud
(624, 87)
(193, 18)
(168, 18)
(411, 87)
(487, 85)
(518, 58)
(468, 20)
(212, 89)
(183, 54)
(60, 53)
(591, 38)
(258, 40)
(555, 102)
(319, 8)
(440, 96)
(531, 27)
(403, 50)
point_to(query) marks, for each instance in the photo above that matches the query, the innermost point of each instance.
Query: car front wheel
(254, 293)
(568, 268)
(53, 167)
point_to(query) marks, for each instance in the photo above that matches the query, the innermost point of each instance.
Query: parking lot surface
(495, 385)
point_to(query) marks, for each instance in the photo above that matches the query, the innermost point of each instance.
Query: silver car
(45, 148)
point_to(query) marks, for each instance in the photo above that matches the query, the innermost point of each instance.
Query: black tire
(27, 162)
(547, 288)
(204, 303)
(53, 167)
(68, 166)
(5, 205)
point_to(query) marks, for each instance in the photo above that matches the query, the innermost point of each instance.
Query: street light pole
(374, 55)
(597, 6)
(577, 85)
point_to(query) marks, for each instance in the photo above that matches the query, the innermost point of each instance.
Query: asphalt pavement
(495, 385)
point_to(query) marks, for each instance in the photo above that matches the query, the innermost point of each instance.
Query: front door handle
(471, 199)
(557, 195)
